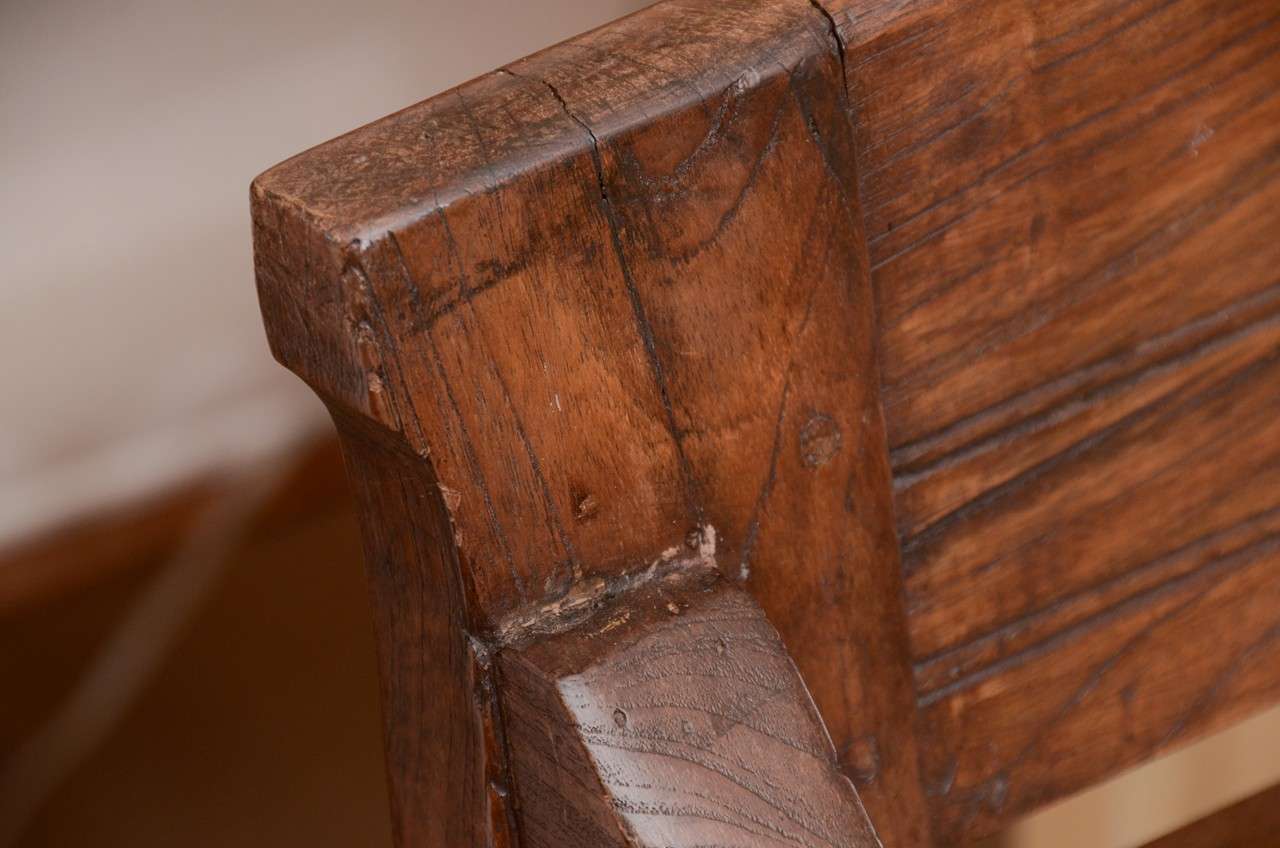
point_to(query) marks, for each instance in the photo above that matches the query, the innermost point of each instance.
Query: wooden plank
(591, 308)
(1251, 823)
(673, 718)
(1069, 216)
(1072, 227)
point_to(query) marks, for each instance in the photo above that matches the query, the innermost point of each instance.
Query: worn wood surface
(437, 703)
(672, 719)
(98, 548)
(261, 729)
(607, 299)
(621, 298)
(1072, 222)
(1251, 823)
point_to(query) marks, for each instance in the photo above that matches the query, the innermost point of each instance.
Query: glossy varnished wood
(672, 718)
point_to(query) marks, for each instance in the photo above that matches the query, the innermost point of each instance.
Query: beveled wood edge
(312, 255)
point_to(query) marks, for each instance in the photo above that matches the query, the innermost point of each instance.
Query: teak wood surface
(938, 342)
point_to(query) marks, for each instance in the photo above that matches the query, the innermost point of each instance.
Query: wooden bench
(760, 411)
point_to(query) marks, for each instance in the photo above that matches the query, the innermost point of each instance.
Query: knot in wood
(820, 440)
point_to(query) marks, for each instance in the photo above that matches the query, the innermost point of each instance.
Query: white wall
(131, 351)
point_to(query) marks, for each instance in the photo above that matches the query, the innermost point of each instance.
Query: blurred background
(185, 648)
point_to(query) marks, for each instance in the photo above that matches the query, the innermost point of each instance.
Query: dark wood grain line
(884, 140)
(766, 488)
(1000, 98)
(753, 174)
(1162, 408)
(573, 565)
(1210, 332)
(448, 307)
(686, 764)
(849, 205)
(1091, 681)
(1150, 245)
(473, 462)
(1140, 705)
(1148, 578)
(1153, 244)
(1108, 14)
(643, 327)
(1117, 109)
(1108, 36)
(1218, 568)
(775, 449)
(920, 40)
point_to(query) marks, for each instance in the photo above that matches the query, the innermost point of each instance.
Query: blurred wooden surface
(1252, 823)
(82, 554)
(263, 727)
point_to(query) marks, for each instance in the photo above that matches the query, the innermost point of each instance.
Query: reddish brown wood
(1072, 227)
(587, 306)
(616, 300)
(672, 718)
(438, 713)
(1251, 823)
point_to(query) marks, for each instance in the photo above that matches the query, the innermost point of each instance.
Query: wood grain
(1072, 226)
(437, 702)
(1251, 823)
(673, 719)
(608, 299)
(620, 301)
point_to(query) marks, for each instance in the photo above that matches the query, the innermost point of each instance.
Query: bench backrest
(948, 330)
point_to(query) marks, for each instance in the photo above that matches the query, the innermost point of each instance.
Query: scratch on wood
(588, 596)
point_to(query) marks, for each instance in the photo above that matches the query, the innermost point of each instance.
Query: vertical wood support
(673, 718)
(598, 315)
